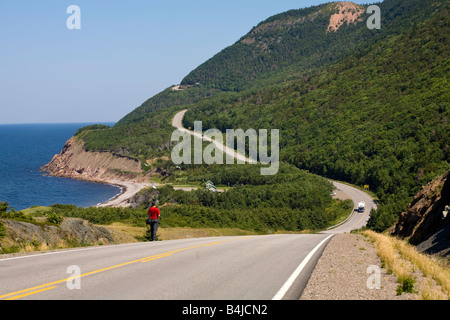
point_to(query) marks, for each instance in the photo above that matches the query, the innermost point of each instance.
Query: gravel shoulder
(342, 273)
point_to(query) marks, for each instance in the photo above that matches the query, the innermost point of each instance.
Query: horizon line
(56, 123)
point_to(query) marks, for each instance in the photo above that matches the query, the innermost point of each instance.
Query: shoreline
(122, 190)
(121, 200)
(128, 190)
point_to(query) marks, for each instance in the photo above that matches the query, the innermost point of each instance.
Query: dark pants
(153, 229)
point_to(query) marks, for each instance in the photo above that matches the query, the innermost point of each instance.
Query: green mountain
(303, 41)
(285, 46)
(364, 106)
(296, 39)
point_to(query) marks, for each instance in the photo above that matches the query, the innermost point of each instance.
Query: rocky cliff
(75, 162)
(424, 223)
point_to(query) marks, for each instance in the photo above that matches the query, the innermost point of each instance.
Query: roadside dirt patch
(341, 273)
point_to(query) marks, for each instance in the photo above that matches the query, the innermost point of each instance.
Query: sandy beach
(129, 189)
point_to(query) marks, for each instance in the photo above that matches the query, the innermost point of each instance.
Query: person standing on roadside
(153, 219)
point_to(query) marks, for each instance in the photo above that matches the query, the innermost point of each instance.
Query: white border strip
(32, 254)
(286, 286)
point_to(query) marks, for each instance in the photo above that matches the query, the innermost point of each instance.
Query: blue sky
(124, 53)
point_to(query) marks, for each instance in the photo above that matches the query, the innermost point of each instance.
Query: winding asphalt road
(272, 267)
(356, 220)
(177, 122)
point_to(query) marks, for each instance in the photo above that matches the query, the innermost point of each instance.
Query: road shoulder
(341, 273)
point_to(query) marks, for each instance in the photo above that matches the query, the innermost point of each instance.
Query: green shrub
(406, 285)
(8, 213)
(2, 230)
(53, 218)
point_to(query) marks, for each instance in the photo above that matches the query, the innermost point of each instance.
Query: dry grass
(429, 267)
(402, 259)
(183, 233)
(35, 246)
(179, 233)
(389, 255)
(127, 229)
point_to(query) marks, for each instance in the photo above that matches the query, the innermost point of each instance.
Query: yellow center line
(41, 288)
(156, 257)
(30, 293)
(33, 288)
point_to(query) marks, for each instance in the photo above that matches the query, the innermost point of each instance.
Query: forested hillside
(290, 201)
(364, 106)
(283, 47)
(378, 118)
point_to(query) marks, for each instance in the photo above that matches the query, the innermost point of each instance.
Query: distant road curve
(356, 220)
(177, 122)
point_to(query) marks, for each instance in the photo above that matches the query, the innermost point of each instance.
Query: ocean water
(24, 148)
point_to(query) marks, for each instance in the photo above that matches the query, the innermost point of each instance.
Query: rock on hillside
(72, 231)
(144, 197)
(424, 222)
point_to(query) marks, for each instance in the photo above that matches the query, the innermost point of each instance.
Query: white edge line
(76, 249)
(111, 246)
(280, 294)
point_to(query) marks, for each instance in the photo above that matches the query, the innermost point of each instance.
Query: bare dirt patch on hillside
(348, 13)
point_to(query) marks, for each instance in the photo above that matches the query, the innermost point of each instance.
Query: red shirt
(153, 213)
